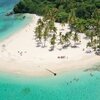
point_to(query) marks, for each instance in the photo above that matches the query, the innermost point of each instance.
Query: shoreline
(19, 28)
(60, 68)
(20, 55)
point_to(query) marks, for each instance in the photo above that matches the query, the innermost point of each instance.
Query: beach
(19, 53)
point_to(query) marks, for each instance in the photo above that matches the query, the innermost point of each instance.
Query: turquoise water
(77, 85)
(10, 24)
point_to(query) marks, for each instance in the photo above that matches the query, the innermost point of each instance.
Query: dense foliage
(83, 8)
(82, 16)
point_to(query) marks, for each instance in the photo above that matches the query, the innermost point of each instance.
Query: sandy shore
(19, 54)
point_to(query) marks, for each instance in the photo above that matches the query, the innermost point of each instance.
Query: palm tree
(71, 16)
(53, 41)
(39, 28)
(90, 35)
(91, 31)
(75, 38)
(67, 37)
(49, 25)
(80, 25)
(50, 14)
(97, 24)
(62, 24)
(46, 25)
(54, 29)
(74, 26)
(45, 34)
(40, 22)
(61, 41)
(95, 42)
(38, 32)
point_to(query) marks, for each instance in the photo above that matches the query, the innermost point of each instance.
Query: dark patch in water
(5, 89)
(74, 80)
(91, 74)
(26, 91)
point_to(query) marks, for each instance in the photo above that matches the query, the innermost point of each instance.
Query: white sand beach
(19, 54)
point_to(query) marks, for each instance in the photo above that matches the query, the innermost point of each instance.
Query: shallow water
(77, 85)
(10, 24)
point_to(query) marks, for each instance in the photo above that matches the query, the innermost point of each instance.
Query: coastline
(34, 60)
(60, 68)
(23, 23)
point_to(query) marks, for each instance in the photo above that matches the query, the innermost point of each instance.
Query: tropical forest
(83, 16)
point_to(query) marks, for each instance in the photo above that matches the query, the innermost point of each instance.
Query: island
(62, 36)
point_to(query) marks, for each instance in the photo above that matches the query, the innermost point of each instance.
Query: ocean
(10, 24)
(75, 85)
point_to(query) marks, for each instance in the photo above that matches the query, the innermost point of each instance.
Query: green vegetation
(83, 8)
(82, 15)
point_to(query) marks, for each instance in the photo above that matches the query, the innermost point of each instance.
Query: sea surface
(10, 24)
(75, 85)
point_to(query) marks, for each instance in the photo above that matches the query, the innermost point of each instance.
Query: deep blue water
(9, 24)
(76, 85)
